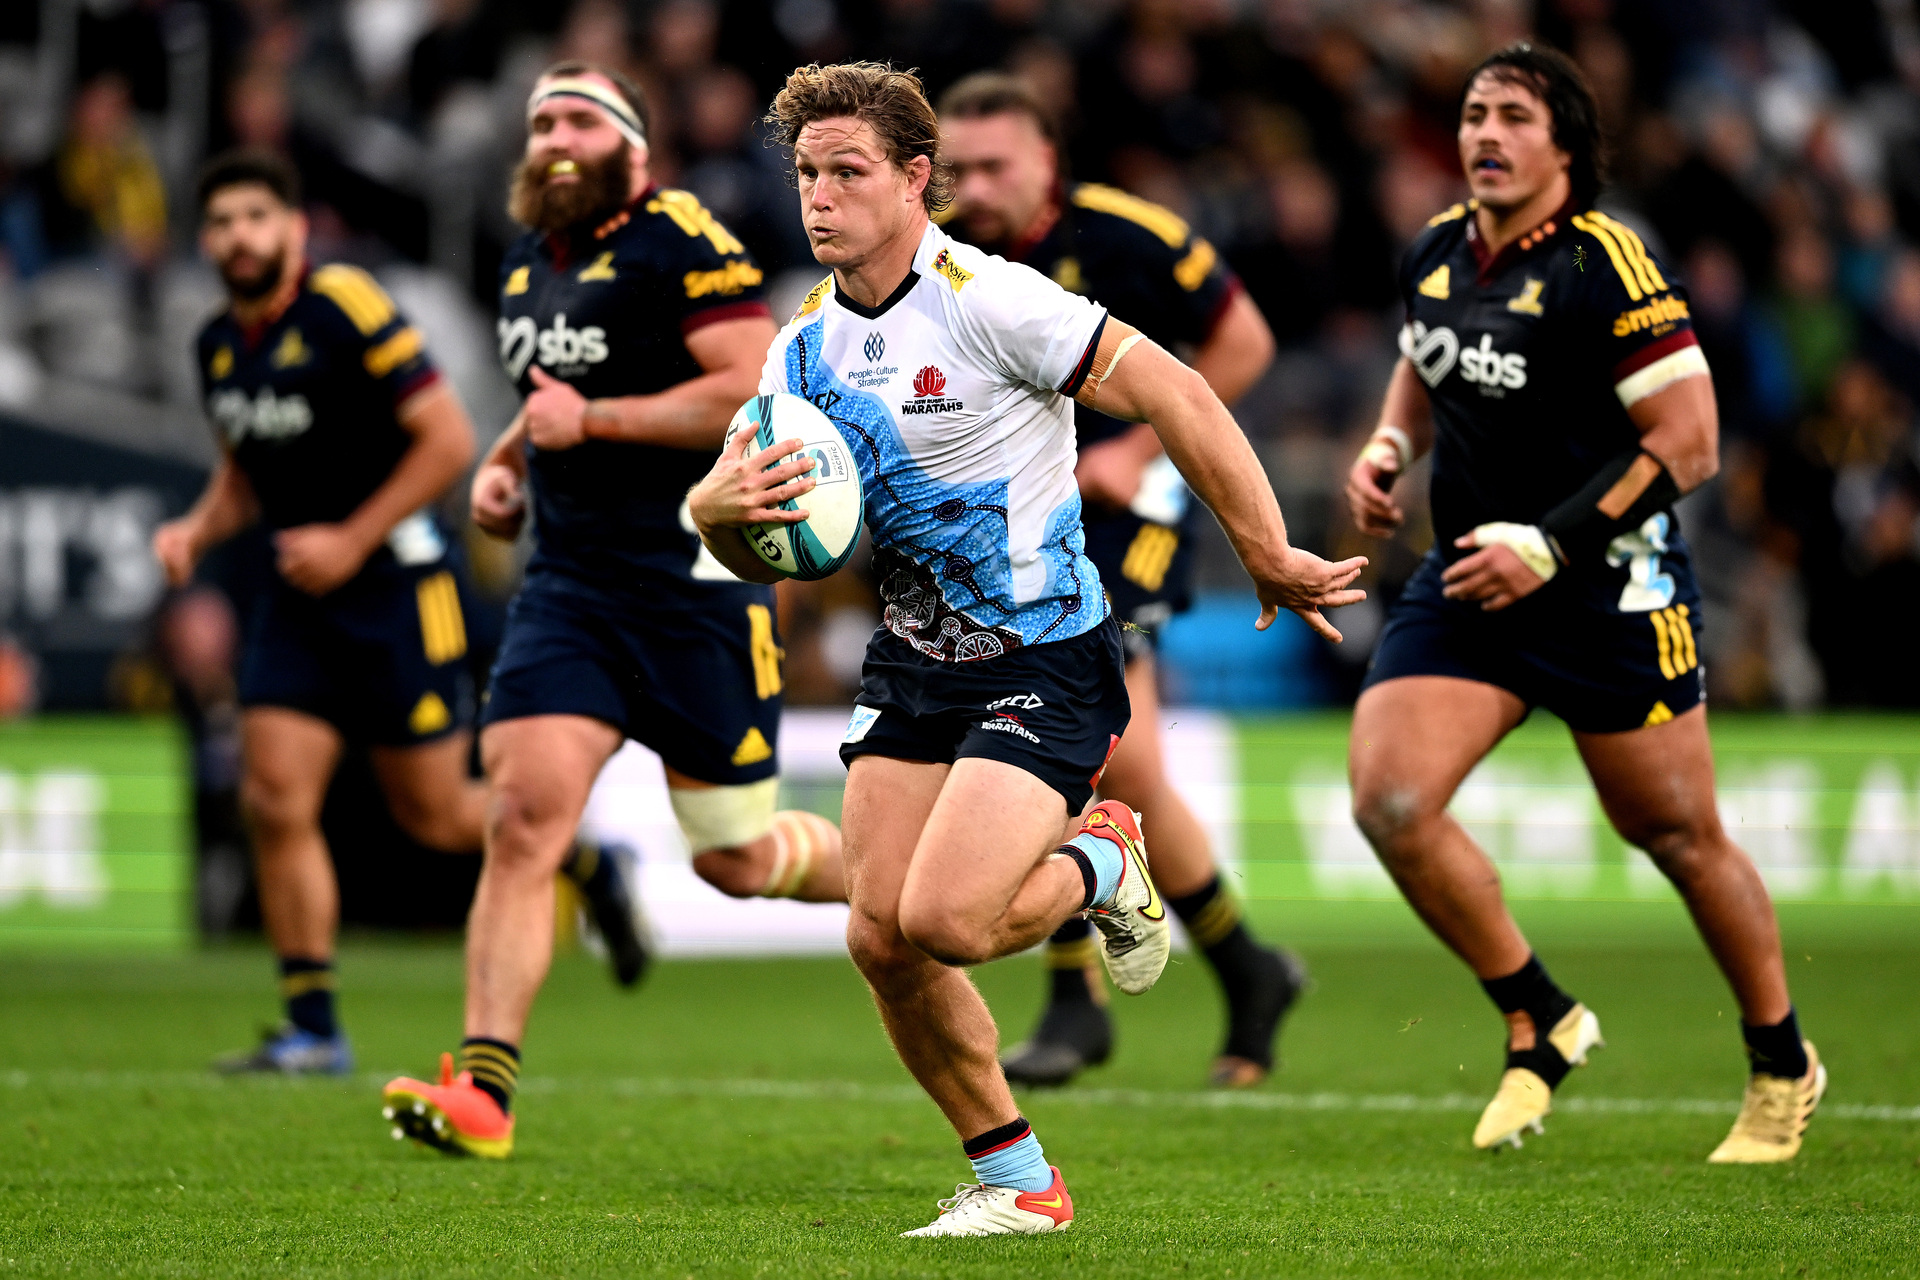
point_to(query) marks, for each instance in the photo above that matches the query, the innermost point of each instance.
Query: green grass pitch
(746, 1118)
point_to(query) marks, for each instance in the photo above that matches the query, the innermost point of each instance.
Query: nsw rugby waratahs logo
(928, 387)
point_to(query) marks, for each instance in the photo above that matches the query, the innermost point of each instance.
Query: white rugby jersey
(955, 395)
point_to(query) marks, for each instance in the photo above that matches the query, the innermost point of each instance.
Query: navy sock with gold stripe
(307, 987)
(1070, 951)
(495, 1066)
(1212, 919)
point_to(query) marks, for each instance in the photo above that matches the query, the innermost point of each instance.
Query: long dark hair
(1558, 82)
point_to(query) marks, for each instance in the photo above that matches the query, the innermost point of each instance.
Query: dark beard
(602, 190)
(252, 290)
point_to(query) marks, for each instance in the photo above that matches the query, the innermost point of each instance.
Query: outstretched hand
(1306, 584)
(740, 491)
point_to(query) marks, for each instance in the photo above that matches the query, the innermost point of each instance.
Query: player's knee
(522, 832)
(734, 871)
(1683, 851)
(948, 939)
(879, 951)
(1389, 817)
(274, 808)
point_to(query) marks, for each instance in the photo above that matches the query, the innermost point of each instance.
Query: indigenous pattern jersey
(1531, 359)
(1140, 262)
(608, 309)
(306, 404)
(954, 395)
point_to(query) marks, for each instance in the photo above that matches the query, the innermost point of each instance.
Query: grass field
(747, 1118)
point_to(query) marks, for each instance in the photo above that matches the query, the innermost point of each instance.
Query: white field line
(852, 1091)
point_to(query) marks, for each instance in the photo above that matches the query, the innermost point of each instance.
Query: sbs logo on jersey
(928, 384)
(561, 348)
(264, 417)
(1433, 353)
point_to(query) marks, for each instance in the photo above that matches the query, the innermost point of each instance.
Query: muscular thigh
(1655, 782)
(1415, 738)
(992, 823)
(543, 767)
(885, 811)
(288, 756)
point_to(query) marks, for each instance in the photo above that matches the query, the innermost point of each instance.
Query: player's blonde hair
(892, 103)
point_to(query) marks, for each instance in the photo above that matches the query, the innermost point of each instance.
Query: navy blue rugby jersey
(1142, 263)
(608, 309)
(306, 403)
(1530, 359)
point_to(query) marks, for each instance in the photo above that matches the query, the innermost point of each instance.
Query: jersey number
(766, 653)
(1647, 588)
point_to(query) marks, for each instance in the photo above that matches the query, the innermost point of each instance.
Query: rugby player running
(994, 692)
(1142, 263)
(337, 432)
(1550, 365)
(634, 324)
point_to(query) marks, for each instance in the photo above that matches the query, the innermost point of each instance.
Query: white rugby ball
(819, 545)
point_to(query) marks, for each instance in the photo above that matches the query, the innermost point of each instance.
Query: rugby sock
(1069, 951)
(1529, 990)
(583, 863)
(1777, 1050)
(1212, 919)
(495, 1065)
(307, 987)
(1009, 1156)
(1100, 865)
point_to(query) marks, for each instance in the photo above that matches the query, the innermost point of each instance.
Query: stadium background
(1771, 152)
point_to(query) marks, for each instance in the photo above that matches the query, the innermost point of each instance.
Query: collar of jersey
(1490, 266)
(874, 313)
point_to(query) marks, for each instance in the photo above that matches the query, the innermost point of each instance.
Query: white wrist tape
(1389, 448)
(1527, 541)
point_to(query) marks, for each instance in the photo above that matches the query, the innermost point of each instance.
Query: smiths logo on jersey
(929, 386)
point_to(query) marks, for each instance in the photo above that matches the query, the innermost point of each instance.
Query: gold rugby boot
(1524, 1098)
(1774, 1116)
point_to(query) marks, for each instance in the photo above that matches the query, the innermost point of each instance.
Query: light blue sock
(1019, 1164)
(1106, 857)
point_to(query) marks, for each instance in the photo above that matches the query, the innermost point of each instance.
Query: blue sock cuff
(1105, 857)
(1018, 1163)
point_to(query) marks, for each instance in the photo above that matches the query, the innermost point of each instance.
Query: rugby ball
(819, 545)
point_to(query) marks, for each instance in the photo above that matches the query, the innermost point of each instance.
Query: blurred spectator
(106, 194)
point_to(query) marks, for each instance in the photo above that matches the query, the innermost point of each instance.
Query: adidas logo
(1436, 285)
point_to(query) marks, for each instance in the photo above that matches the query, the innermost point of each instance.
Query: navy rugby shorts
(1597, 668)
(691, 670)
(383, 659)
(1147, 569)
(1056, 710)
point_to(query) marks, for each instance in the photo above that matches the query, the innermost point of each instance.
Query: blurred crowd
(1769, 152)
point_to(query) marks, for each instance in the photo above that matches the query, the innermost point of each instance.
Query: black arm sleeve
(1579, 529)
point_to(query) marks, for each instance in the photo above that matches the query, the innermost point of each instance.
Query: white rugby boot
(1134, 934)
(979, 1210)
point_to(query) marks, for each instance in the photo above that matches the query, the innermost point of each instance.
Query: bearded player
(995, 690)
(1142, 263)
(634, 324)
(1550, 365)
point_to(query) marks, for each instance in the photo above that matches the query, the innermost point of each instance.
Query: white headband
(619, 112)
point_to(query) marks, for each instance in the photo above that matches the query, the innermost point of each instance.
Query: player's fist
(317, 558)
(1370, 494)
(740, 491)
(1513, 562)
(1304, 583)
(173, 547)
(499, 501)
(555, 412)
